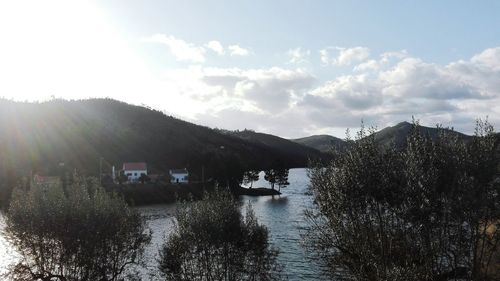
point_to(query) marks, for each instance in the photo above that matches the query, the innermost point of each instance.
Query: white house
(179, 176)
(134, 170)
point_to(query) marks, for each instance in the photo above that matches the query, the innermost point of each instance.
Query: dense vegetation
(291, 149)
(426, 210)
(73, 232)
(324, 143)
(213, 241)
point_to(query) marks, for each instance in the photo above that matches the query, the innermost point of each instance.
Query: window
(135, 174)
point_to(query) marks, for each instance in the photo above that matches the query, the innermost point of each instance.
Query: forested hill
(392, 135)
(397, 134)
(323, 143)
(283, 146)
(38, 136)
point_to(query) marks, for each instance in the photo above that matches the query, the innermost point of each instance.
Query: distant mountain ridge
(324, 143)
(397, 134)
(392, 135)
(281, 145)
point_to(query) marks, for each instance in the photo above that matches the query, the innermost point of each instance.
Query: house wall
(179, 178)
(134, 175)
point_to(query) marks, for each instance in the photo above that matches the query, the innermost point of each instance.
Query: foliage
(421, 213)
(213, 241)
(277, 176)
(250, 176)
(282, 178)
(144, 178)
(77, 233)
(271, 176)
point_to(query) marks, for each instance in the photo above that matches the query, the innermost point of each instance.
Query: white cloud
(236, 50)
(189, 52)
(343, 56)
(216, 46)
(396, 86)
(297, 55)
(386, 90)
(267, 90)
(349, 55)
(182, 50)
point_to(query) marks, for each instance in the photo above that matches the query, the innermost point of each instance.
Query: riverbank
(150, 194)
(258, 191)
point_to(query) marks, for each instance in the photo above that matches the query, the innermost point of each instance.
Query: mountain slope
(36, 137)
(324, 143)
(281, 145)
(398, 134)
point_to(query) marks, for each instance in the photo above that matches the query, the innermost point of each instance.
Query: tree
(282, 178)
(277, 176)
(121, 178)
(271, 176)
(85, 234)
(213, 241)
(250, 176)
(427, 212)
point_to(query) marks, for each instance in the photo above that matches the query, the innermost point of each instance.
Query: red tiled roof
(138, 166)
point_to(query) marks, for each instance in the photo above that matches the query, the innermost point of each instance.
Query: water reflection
(284, 217)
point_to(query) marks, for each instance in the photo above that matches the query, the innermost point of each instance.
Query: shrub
(75, 233)
(213, 241)
(420, 213)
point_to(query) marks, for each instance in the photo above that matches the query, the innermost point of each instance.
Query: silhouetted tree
(282, 178)
(271, 176)
(250, 176)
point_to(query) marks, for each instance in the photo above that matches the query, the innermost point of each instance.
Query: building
(179, 176)
(133, 171)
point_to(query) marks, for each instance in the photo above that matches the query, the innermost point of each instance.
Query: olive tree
(81, 233)
(214, 241)
(429, 211)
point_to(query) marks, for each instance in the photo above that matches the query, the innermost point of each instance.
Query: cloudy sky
(291, 68)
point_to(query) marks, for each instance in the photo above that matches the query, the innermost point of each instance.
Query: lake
(283, 215)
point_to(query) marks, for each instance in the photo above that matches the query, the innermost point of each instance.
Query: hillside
(36, 137)
(324, 143)
(283, 146)
(398, 133)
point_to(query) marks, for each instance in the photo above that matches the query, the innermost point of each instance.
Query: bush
(420, 213)
(212, 241)
(75, 233)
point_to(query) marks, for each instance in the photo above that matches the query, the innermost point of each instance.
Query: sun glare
(64, 49)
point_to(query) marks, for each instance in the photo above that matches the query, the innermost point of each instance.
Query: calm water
(282, 215)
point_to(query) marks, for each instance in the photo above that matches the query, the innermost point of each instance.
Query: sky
(291, 68)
